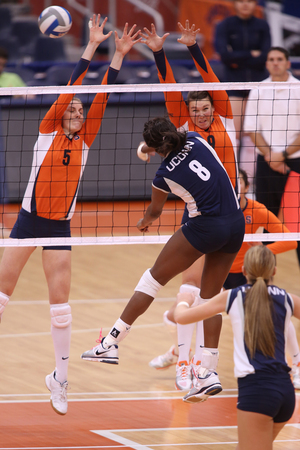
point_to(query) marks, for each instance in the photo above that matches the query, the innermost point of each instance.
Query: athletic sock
(62, 341)
(118, 332)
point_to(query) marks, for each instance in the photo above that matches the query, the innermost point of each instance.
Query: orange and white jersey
(59, 161)
(256, 216)
(221, 133)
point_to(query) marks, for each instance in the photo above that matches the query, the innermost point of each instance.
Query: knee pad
(148, 285)
(61, 316)
(4, 299)
(190, 288)
(210, 360)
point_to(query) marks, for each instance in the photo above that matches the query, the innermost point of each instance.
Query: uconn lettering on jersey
(272, 290)
(176, 160)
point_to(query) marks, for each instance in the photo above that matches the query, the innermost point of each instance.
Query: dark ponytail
(162, 135)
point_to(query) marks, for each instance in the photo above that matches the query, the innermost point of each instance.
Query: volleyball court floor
(127, 406)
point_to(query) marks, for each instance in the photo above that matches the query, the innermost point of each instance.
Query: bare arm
(184, 314)
(296, 300)
(154, 210)
(259, 142)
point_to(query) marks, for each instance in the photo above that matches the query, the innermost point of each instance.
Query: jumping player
(215, 227)
(210, 115)
(59, 159)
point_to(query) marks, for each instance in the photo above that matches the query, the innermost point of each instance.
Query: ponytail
(162, 135)
(259, 330)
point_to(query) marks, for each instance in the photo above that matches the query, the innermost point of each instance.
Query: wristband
(183, 303)
(141, 155)
(285, 154)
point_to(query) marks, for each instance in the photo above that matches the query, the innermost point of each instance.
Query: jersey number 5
(66, 158)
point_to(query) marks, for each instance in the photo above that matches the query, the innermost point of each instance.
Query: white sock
(118, 332)
(172, 328)
(199, 342)
(292, 344)
(62, 341)
(185, 332)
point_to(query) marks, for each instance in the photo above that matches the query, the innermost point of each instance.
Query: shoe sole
(203, 396)
(54, 409)
(103, 360)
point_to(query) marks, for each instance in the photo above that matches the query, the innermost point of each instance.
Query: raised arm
(54, 116)
(220, 98)
(123, 45)
(175, 104)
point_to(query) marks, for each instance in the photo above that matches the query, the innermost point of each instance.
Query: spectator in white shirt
(272, 121)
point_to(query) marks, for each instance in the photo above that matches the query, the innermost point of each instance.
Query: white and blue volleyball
(55, 21)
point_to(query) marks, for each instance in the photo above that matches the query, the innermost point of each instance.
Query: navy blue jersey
(283, 310)
(197, 176)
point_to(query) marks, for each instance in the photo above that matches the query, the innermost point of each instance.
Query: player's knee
(61, 316)
(4, 299)
(148, 285)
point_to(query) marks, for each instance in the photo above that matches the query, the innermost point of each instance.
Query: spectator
(272, 120)
(242, 42)
(8, 79)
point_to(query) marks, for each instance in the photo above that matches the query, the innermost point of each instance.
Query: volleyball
(55, 21)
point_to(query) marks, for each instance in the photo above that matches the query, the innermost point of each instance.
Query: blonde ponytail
(259, 265)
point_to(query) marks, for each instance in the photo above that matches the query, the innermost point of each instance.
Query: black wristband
(285, 154)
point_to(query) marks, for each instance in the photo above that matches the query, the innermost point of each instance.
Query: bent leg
(176, 256)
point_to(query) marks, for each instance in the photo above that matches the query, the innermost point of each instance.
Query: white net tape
(133, 89)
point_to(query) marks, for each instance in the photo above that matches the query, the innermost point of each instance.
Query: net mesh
(115, 188)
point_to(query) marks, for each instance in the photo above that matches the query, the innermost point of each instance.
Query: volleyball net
(115, 188)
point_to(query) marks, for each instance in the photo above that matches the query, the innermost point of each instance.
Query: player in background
(256, 215)
(215, 227)
(59, 159)
(210, 115)
(260, 313)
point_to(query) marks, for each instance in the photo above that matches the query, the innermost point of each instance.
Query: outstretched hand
(127, 40)
(96, 30)
(188, 34)
(152, 40)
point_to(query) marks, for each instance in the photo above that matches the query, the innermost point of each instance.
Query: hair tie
(260, 278)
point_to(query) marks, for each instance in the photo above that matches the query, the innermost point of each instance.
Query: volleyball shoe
(98, 353)
(58, 399)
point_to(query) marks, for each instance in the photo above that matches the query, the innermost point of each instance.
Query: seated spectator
(8, 79)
